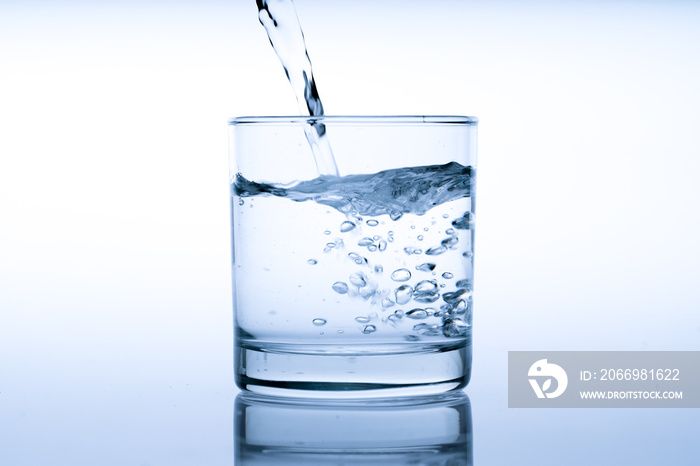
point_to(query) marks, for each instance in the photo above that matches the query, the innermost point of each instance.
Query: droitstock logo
(545, 372)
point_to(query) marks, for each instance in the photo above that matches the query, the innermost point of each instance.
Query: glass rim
(356, 119)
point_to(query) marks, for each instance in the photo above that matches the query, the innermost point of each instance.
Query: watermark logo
(603, 379)
(545, 371)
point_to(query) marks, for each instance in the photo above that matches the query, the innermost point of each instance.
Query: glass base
(352, 371)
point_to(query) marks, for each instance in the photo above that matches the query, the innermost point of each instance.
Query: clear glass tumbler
(356, 285)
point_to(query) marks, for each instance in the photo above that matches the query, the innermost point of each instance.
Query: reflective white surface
(115, 308)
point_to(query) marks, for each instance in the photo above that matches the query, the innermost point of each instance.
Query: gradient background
(115, 308)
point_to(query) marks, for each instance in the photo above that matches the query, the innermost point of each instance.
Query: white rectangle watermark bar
(604, 379)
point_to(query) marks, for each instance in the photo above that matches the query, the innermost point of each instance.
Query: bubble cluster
(451, 313)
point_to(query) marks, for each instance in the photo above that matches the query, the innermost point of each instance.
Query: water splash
(395, 192)
(280, 20)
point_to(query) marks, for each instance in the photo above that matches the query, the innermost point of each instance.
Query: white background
(115, 321)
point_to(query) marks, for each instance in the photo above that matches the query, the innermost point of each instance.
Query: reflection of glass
(416, 431)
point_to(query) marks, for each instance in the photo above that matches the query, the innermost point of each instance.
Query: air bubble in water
(464, 222)
(376, 237)
(362, 320)
(327, 232)
(427, 298)
(382, 245)
(417, 313)
(425, 287)
(426, 267)
(369, 329)
(462, 284)
(454, 328)
(347, 226)
(359, 260)
(420, 237)
(371, 248)
(330, 245)
(378, 269)
(455, 296)
(340, 287)
(312, 262)
(426, 329)
(460, 307)
(241, 202)
(358, 279)
(449, 231)
(426, 291)
(365, 241)
(403, 294)
(436, 250)
(386, 302)
(450, 242)
(390, 233)
(401, 275)
(372, 223)
(319, 322)
(447, 275)
(445, 215)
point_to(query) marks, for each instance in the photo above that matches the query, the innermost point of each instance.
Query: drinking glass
(358, 284)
